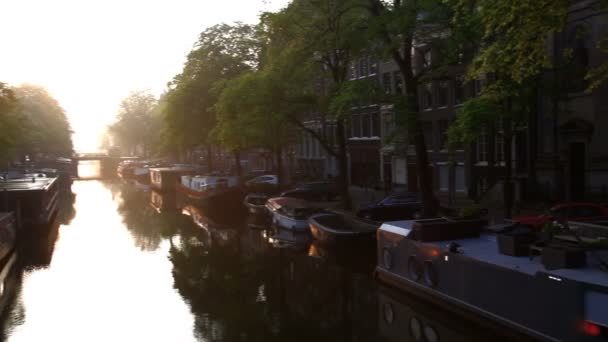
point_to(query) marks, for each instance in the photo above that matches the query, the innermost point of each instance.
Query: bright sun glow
(91, 54)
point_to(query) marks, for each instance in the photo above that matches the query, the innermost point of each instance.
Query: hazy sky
(91, 53)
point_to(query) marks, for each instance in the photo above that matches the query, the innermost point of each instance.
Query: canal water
(124, 263)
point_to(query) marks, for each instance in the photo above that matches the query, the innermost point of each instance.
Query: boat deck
(485, 249)
(26, 184)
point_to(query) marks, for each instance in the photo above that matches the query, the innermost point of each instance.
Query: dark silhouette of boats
(338, 226)
(552, 297)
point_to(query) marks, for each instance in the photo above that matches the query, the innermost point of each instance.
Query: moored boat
(166, 178)
(337, 226)
(8, 236)
(290, 213)
(33, 200)
(207, 187)
(560, 296)
(256, 203)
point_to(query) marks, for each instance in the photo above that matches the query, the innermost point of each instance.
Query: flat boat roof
(27, 184)
(485, 249)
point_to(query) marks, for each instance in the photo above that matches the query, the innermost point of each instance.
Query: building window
(482, 186)
(373, 65)
(386, 82)
(398, 82)
(499, 141)
(478, 86)
(442, 94)
(375, 124)
(426, 59)
(482, 146)
(365, 125)
(458, 90)
(363, 67)
(443, 133)
(427, 129)
(353, 70)
(427, 96)
(389, 124)
(356, 125)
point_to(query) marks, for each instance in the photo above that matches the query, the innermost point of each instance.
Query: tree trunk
(508, 183)
(429, 202)
(209, 159)
(279, 161)
(342, 181)
(237, 161)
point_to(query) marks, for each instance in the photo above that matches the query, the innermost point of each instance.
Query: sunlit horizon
(91, 55)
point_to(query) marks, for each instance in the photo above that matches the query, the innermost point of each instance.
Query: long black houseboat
(33, 200)
(559, 295)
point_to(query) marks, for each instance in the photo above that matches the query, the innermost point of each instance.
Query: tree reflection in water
(248, 290)
(147, 226)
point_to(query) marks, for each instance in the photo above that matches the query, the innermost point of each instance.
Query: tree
(10, 128)
(221, 53)
(312, 42)
(512, 51)
(405, 28)
(135, 125)
(45, 124)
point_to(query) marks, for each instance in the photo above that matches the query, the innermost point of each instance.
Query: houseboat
(290, 213)
(338, 226)
(165, 178)
(8, 236)
(33, 200)
(207, 187)
(560, 295)
(163, 201)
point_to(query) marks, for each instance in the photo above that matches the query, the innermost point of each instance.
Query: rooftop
(27, 184)
(485, 248)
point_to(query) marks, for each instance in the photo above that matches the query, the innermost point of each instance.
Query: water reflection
(122, 270)
(98, 285)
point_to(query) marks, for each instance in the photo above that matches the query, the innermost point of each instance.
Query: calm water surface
(127, 264)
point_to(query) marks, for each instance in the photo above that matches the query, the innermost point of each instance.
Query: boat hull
(514, 299)
(289, 223)
(332, 236)
(236, 192)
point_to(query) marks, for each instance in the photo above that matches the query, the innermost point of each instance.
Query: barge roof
(27, 184)
(485, 249)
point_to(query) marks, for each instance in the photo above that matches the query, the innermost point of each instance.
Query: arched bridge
(107, 163)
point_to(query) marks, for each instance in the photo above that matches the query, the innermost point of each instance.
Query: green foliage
(10, 127)
(221, 53)
(352, 94)
(137, 122)
(513, 35)
(476, 114)
(45, 127)
(471, 212)
(599, 75)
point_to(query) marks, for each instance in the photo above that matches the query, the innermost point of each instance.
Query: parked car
(265, 179)
(313, 191)
(393, 208)
(583, 212)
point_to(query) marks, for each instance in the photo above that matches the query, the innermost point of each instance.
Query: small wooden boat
(256, 203)
(337, 226)
(291, 213)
